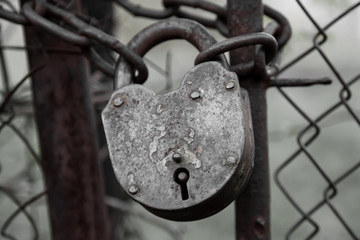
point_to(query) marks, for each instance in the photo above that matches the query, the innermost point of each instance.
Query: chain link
(85, 34)
(139, 11)
(204, 5)
(96, 34)
(13, 15)
(268, 41)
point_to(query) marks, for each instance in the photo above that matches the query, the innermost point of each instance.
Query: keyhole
(181, 176)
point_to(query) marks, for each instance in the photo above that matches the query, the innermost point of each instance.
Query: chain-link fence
(324, 161)
(319, 178)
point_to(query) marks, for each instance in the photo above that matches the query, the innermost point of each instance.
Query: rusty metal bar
(244, 16)
(253, 205)
(67, 135)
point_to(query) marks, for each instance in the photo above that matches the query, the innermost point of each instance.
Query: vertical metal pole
(104, 10)
(253, 204)
(66, 127)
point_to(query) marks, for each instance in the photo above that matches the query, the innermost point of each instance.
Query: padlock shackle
(157, 33)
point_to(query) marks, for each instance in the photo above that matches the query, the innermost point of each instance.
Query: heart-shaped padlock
(186, 154)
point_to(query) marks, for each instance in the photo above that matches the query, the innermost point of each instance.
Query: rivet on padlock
(186, 154)
(195, 95)
(177, 157)
(230, 85)
(118, 101)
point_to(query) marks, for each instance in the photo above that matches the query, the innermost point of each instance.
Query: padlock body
(206, 122)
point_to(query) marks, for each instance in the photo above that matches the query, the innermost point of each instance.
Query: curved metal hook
(159, 32)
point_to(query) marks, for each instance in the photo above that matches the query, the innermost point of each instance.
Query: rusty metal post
(253, 204)
(66, 127)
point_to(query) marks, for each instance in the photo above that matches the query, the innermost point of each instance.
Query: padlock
(186, 154)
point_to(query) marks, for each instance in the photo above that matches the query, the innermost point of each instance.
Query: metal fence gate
(63, 173)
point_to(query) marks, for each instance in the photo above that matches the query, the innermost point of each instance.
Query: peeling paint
(153, 147)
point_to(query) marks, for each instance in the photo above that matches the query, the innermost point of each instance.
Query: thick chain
(173, 8)
(86, 35)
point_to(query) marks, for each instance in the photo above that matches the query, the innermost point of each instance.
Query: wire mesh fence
(24, 213)
(21, 184)
(319, 178)
(321, 208)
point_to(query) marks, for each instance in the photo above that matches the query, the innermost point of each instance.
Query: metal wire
(345, 94)
(86, 37)
(7, 107)
(10, 112)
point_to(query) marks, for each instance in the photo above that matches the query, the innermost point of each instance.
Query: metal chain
(139, 11)
(268, 41)
(85, 34)
(173, 8)
(204, 5)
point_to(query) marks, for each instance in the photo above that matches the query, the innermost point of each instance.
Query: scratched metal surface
(144, 131)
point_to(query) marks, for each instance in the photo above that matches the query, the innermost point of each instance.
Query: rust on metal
(266, 40)
(242, 18)
(207, 6)
(65, 123)
(137, 10)
(245, 17)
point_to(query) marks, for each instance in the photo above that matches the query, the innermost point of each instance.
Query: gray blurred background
(336, 149)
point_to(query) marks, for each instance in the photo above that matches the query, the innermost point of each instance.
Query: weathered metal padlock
(186, 154)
